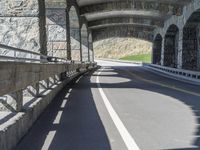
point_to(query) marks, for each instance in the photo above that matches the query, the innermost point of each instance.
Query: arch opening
(191, 43)
(157, 48)
(84, 43)
(74, 34)
(171, 47)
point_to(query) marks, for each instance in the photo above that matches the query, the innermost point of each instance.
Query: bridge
(55, 95)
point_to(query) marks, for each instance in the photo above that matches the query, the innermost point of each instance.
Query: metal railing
(8, 53)
(187, 74)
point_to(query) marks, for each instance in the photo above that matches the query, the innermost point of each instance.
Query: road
(121, 106)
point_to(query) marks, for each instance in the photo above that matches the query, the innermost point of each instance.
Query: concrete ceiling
(146, 13)
(82, 3)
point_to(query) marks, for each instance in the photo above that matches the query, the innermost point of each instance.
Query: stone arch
(84, 43)
(191, 42)
(157, 48)
(171, 46)
(74, 34)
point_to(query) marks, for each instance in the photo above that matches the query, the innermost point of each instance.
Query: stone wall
(19, 24)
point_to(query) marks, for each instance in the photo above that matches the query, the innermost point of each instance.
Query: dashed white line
(48, 140)
(63, 103)
(126, 136)
(58, 117)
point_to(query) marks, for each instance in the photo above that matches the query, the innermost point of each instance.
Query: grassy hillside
(141, 57)
(125, 48)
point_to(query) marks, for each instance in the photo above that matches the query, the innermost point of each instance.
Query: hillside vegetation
(123, 48)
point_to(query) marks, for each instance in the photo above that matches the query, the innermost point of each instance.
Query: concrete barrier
(16, 77)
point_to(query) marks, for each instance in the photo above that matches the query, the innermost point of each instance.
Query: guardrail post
(34, 90)
(47, 83)
(13, 102)
(63, 76)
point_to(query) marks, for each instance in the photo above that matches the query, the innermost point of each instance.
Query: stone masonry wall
(19, 24)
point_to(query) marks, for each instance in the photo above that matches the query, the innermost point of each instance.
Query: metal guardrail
(187, 74)
(8, 53)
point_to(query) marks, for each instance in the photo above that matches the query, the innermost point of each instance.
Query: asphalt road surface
(121, 106)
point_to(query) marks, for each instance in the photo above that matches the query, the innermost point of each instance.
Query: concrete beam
(163, 7)
(122, 31)
(83, 3)
(125, 13)
(134, 20)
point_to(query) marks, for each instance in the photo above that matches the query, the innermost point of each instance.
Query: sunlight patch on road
(163, 85)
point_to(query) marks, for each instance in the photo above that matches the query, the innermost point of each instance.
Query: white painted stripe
(128, 139)
(58, 117)
(48, 140)
(63, 103)
(70, 90)
(67, 95)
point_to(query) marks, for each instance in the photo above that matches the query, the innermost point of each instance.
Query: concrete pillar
(74, 28)
(84, 43)
(163, 52)
(69, 50)
(180, 49)
(198, 51)
(42, 27)
(89, 51)
(56, 24)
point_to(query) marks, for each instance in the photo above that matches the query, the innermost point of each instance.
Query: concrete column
(57, 28)
(89, 52)
(74, 34)
(69, 50)
(180, 49)
(84, 43)
(198, 51)
(42, 27)
(163, 52)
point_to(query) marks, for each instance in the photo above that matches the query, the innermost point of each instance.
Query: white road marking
(128, 139)
(48, 140)
(63, 103)
(58, 117)
(67, 95)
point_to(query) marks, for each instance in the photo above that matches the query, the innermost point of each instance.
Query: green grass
(142, 58)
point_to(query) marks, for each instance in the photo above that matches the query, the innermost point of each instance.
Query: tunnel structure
(45, 43)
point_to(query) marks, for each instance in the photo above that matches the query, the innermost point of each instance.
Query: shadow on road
(79, 128)
(130, 82)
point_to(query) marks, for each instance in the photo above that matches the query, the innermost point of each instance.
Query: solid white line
(48, 140)
(128, 139)
(58, 117)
